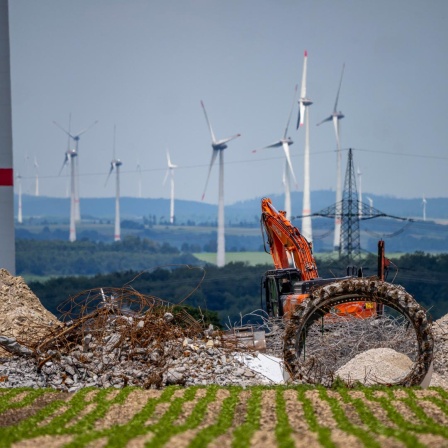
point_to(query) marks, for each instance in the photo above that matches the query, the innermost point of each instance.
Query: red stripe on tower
(6, 177)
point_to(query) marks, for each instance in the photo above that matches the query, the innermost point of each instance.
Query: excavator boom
(288, 247)
(295, 271)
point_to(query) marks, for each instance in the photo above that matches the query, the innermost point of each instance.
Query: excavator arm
(288, 247)
(291, 251)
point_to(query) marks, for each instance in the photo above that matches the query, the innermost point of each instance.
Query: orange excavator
(295, 271)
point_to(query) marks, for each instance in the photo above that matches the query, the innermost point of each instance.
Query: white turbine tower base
(304, 118)
(36, 185)
(19, 207)
(170, 172)
(218, 146)
(7, 237)
(115, 164)
(424, 207)
(335, 117)
(69, 159)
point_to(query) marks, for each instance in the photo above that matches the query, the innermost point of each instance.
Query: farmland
(225, 416)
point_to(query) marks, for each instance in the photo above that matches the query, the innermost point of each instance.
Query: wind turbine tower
(115, 164)
(370, 204)
(36, 185)
(288, 171)
(139, 171)
(218, 147)
(336, 116)
(424, 208)
(304, 118)
(19, 208)
(7, 237)
(170, 172)
(70, 157)
(75, 138)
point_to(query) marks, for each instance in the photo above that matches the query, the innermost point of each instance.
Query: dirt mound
(22, 315)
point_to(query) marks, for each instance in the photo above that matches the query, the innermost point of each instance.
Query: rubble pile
(22, 315)
(118, 337)
(113, 337)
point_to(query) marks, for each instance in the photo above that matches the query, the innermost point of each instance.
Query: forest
(235, 290)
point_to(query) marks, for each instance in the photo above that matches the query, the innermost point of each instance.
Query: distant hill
(198, 212)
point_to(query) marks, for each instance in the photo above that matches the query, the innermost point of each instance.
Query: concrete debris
(118, 337)
(22, 315)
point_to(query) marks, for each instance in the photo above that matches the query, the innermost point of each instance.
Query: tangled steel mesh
(105, 327)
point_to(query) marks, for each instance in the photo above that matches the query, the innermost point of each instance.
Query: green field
(251, 258)
(212, 416)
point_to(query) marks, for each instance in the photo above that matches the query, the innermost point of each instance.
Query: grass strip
(164, 428)
(5, 398)
(429, 425)
(344, 423)
(85, 429)
(119, 435)
(243, 434)
(283, 429)
(224, 420)
(323, 433)
(404, 427)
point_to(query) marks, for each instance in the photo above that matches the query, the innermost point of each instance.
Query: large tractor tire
(321, 301)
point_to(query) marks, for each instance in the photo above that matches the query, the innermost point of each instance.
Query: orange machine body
(291, 250)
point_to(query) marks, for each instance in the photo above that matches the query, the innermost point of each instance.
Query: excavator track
(323, 299)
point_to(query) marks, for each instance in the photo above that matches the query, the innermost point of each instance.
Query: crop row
(224, 417)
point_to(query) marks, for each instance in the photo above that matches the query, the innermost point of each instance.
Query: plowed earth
(299, 416)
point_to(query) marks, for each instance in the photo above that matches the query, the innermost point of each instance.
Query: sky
(145, 65)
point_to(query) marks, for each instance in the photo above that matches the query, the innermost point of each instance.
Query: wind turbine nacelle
(287, 140)
(339, 115)
(117, 162)
(306, 101)
(72, 153)
(219, 146)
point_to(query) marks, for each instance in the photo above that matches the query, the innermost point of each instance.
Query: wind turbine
(75, 138)
(335, 117)
(170, 172)
(424, 208)
(19, 210)
(218, 147)
(116, 163)
(36, 187)
(359, 173)
(302, 118)
(70, 157)
(288, 171)
(370, 204)
(139, 171)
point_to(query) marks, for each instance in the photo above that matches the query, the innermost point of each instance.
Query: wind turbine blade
(336, 131)
(226, 140)
(324, 120)
(166, 176)
(208, 123)
(303, 86)
(277, 144)
(288, 159)
(339, 89)
(64, 163)
(110, 172)
(301, 115)
(214, 154)
(86, 129)
(290, 113)
(62, 129)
